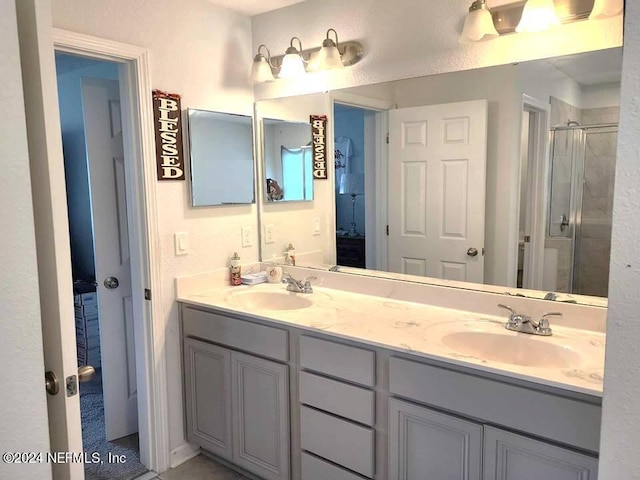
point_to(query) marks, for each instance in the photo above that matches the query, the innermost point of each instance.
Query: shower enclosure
(580, 208)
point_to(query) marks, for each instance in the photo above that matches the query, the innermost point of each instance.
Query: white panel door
(437, 169)
(51, 229)
(101, 106)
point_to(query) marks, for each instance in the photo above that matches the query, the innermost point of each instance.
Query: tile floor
(201, 468)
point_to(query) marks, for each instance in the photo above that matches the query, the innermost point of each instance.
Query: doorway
(90, 114)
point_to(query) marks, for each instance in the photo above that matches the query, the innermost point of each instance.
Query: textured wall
(409, 38)
(620, 418)
(202, 52)
(23, 414)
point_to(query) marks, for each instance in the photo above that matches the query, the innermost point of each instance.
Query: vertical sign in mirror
(319, 132)
(168, 125)
(221, 152)
(288, 161)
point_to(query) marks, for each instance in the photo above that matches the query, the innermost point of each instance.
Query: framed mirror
(469, 190)
(288, 161)
(221, 156)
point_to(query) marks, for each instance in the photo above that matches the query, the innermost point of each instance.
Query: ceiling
(598, 67)
(254, 7)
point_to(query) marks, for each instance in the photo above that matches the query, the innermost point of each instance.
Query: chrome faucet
(298, 286)
(525, 324)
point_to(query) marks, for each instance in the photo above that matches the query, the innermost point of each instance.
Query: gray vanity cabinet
(508, 456)
(429, 445)
(208, 396)
(260, 393)
(237, 407)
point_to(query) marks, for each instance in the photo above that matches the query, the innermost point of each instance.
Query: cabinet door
(260, 396)
(508, 456)
(207, 374)
(428, 445)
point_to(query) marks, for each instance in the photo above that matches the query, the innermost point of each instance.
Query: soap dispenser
(274, 271)
(235, 270)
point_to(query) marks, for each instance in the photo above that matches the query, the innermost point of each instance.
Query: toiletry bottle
(290, 255)
(235, 270)
(274, 271)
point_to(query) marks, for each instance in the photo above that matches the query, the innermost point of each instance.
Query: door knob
(85, 373)
(111, 282)
(472, 252)
(51, 383)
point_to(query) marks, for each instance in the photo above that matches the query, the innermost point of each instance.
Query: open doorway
(89, 101)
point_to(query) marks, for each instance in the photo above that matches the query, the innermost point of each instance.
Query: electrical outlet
(181, 243)
(315, 226)
(247, 233)
(269, 234)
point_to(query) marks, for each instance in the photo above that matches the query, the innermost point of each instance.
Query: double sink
(479, 340)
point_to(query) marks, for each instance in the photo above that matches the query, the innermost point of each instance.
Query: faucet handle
(544, 322)
(309, 279)
(507, 307)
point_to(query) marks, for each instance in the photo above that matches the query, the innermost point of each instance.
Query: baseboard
(183, 453)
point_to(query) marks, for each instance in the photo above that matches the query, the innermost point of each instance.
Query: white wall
(620, 418)
(409, 38)
(24, 424)
(202, 52)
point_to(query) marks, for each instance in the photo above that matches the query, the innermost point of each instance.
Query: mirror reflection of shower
(580, 203)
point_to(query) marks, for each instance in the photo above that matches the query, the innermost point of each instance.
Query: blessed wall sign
(167, 116)
(319, 135)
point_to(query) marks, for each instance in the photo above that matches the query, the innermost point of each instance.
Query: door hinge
(147, 294)
(387, 230)
(387, 138)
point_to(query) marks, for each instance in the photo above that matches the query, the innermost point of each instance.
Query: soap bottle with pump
(235, 270)
(290, 255)
(274, 271)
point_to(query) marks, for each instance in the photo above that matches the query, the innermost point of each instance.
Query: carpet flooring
(94, 438)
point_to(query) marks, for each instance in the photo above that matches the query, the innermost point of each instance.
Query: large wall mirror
(498, 179)
(288, 160)
(221, 153)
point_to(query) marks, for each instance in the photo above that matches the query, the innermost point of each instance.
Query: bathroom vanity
(340, 385)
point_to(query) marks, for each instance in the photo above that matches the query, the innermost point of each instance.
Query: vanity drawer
(337, 440)
(349, 401)
(248, 336)
(566, 420)
(314, 468)
(349, 363)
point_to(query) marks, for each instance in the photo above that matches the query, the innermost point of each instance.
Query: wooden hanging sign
(319, 135)
(167, 116)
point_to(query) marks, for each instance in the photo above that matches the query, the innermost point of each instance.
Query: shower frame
(577, 191)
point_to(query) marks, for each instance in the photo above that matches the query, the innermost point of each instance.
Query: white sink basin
(513, 348)
(270, 300)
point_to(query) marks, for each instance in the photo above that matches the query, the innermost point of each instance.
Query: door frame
(538, 145)
(144, 238)
(381, 107)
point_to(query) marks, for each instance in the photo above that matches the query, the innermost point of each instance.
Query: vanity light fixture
(606, 8)
(261, 68)
(292, 63)
(478, 25)
(329, 56)
(538, 16)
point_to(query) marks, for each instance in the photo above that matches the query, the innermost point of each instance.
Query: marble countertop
(570, 359)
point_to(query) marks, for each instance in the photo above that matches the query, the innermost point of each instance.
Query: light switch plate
(247, 233)
(269, 233)
(181, 242)
(315, 226)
